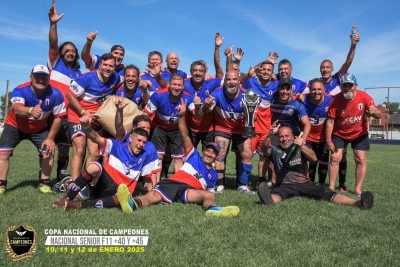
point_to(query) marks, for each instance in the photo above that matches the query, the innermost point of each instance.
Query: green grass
(296, 232)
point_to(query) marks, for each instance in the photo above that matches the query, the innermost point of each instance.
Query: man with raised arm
(191, 184)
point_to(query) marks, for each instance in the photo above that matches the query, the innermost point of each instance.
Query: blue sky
(303, 33)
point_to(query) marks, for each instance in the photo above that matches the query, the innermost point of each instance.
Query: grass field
(296, 232)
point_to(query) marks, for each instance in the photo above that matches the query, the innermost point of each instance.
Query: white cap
(40, 69)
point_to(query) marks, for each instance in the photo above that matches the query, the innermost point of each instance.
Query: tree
(3, 104)
(393, 107)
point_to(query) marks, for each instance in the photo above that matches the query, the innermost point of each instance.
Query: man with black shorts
(292, 179)
(163, 104)
(347, 123)
(317, 104)
(229, 126)
(191, 184)
(124, 165)
(32, 103)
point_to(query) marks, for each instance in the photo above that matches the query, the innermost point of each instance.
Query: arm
(251, 73)
(307, 152)
(329, 129)
(350, 56)
(85, 54)
(306, 126)
(265, 146)
(23, 111)
(183, 129)
(219, 72)
(90, 133)
(198, 110)
(228, 53)
(119, 117)
(143, 86)
(75, 104)
(53, 37)
(49, 141)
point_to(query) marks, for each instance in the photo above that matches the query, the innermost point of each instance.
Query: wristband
(83, 111)
(30, 110)
(328, 141)
(87, 127)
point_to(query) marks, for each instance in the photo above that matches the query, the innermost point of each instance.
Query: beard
(348, 96)
(232, 90)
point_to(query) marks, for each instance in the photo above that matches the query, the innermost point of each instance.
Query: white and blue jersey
(195, 173)
(122, 166)
(95, 64)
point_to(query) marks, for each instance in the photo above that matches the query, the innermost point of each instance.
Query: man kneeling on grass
(292, 179)
(191, 184)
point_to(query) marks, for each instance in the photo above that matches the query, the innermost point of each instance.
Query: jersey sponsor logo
(198, 176)
(102, 99)
(360, 106)
(351, 120)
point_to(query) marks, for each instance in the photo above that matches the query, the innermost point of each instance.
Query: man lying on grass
(292, 178)
(190, 184)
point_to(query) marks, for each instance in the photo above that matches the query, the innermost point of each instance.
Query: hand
(218, 40)
(37, 110)
(182, 107)
(120, 102)
(86, 119)
(354, 38)
(154, 69)
(144, 85)
(252, 72)
(273, 57)
(91, 37)
(50, 146)
(196, 100)
(273, 77)
(229, 51)
(331, 147)
(239, 54)
(53, 16)
(372, 110)
(208, 101)
(300, 97)
(274, 127)
(299, 141)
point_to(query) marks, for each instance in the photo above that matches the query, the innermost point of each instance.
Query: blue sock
(244, 173)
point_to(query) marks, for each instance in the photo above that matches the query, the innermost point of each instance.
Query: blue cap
(215, 146)
(349, 78)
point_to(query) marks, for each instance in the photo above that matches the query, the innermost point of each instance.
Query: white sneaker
(220, 189)
(245, 189)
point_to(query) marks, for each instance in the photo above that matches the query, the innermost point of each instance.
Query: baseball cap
(349, 78)
(40, 69)
(287, 81)
(215, 146)
(117, 47)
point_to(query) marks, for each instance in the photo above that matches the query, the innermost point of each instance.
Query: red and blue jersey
(317, 115)
(206, 123)
(122, 166)
(23, 95)
(91, 92)
(333, 86)
(151, 151)
(288, 114)
(263, 122)
(136, 98)
(61, 76)
(194, 172)
(166, 112)
(95, 64)
(229, 113)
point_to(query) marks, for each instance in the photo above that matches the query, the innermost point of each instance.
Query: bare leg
(78, 155)
(336, 157)
(361, 168)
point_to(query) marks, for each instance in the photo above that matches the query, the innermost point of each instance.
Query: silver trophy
(250, 101)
